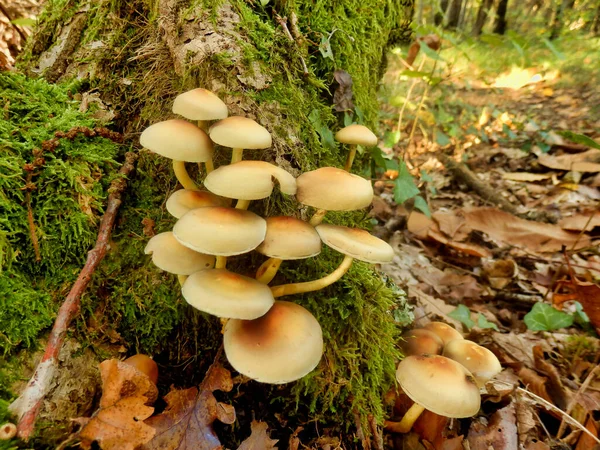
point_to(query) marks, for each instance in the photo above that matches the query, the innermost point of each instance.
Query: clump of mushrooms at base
(266, 339)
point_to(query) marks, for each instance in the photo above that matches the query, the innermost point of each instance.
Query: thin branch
(575, 399)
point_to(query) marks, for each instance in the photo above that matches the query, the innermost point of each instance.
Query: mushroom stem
(350, 158)
(182, 176)
(221, 262)
(209, 166)
(203, 125)
(242, 204)
(315, 285)
(409, 418)
(236, 156)
(182, 279)
(267, 271)
(317, 217)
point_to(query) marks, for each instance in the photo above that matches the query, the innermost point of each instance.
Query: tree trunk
(482, 15)
(276, 65)
(454, 14)
(439, 15)
(558, 19)
(596, 23)
(500, 25)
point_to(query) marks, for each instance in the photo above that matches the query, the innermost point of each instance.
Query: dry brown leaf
(526, 176)
(119, 423)
(581, 221)
(576, 162)
(588, 294)
(459, 287)
(259, 438)
(586, 442)
(419, 224)
(555, 388)
(187, 422)
(452, 225)
(434, 306)
(526, 422)
(534, 383)
(499, 433)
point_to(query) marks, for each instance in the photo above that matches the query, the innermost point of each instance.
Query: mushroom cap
(179, 140)
(481, 362)
(249, 180)
(240, 132)
(444, 331)
(333, 189)
(226, 294)
(421, 342)
(144, 364)
(184, 200)
(355, 242)
(356, 134)
(169, 255)
(282, 346)
(200, 104)
(217, 230)
(439, 385)
(290, 238)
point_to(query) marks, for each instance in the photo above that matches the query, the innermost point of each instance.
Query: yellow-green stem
(236, 156)
(183, 177)
(409, 418)
(203, 125)
(350, 158)
(221, 262)
(209, 166)
(315, 285)
(317, 217)
(182, 279)
(242, 204)
(267, 271)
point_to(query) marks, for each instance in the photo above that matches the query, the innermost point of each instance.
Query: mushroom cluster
(264, 338)
(443, 373)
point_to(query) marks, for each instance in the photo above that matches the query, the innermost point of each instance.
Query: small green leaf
(405, 185)
(429, 52)
(422, 205)
(415, 74)
(391, 138)
(482, 322)
(580, 139)
(441, 138)
(463, 315)
(560, 55)
(492, 39)
(24, 22)
(544, 317)
(347, 119)
(325, 48)
(426, 177)
(581, 317)
(324, 132)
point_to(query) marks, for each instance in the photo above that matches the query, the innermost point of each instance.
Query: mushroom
(444, 331)
(438, 384)
(282, 346)
(7, 431)
(144, 364)
(478, 360)
(355, 135)
(239, 133)
(332, 189)
(421, 342)
(180, 141)
(354, 243)
(249, 180)
(184, 200)
(226, 294)
(287, 238)
(173, 257)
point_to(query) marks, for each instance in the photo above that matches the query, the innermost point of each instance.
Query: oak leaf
(259, 439)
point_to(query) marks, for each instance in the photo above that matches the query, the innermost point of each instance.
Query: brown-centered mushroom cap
(282, 346)
(440, 385)
(290, 238)
(356, 134)
(421, 342)
(249, 180)
(184, 200)
(179, 140)
(240, 132)
(355, 242)
(169, 255)
(200, 104)
(481, 362)
(217, 230)
(226, 294)
(334, 190)
(444, 331)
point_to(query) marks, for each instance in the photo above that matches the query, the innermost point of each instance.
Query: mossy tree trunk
(132, 59)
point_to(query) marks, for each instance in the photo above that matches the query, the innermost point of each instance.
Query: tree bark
(501, 24)
(596, 23)
(482, 15)
(454, 14)
(440, 15)
(558, 18)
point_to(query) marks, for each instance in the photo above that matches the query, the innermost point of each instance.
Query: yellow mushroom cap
(356, 134)
(226, 294)
(249, 180)
(217, 230)
(200, 104)
(282, 346)
(439, 385)
(421, 342)
(240, 132)
(444, 331)
(334, 190)
(169, 255)
(179, 140)
(290, 238)
(481, 362)
(355, 242)
(184, 200)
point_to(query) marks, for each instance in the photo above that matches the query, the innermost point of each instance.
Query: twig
(408, 94)
(359, 431)
(30, 221)
(283, 22)
(377, 437)
(7, 14)
(414, 127)
(28, 405)
(573, 402)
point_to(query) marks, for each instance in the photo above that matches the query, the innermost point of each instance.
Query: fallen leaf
(560, 396)
(119, 423)
(259, 439)
(534, 383)
(499, 433)
(342, 97)
(419, 224)
(544, 317)
(586, 442)
(526, 176)
(585, 220)
(588, 294)
(434, 306)
(577, 162)
(187, 422)
(452, 225)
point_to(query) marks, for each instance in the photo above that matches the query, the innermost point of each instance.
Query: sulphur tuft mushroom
(240, 133)
(184, 200)
(201, 105)
(478, 360)
(170, 255)
(355, 135)
(444, 331)
(7, 431)
(421, 342)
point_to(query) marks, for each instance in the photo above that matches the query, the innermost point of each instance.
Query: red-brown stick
(27, 406)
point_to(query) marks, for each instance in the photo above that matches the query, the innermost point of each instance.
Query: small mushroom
(144, 364)
(180, 141)
(185, 200)
(282, 346)
(355, 135)
(240, 133)
(438, 384)
(444, 331)
(8, 431)
(478, 360)
(421, 342)
(170, 255)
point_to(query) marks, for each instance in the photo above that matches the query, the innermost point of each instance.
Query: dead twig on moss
(28, 405)
(283, 22)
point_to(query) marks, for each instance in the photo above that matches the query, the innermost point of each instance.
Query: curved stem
(236, 156)
(221, 262)
(409, 418)
(209, 166)
(315, 285)
(242, 204)
(267, 271)
(183, 177)
(350, 158)
(182, 279)
(317, 217)
(203, 125)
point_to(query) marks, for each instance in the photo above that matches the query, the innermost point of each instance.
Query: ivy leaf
(324, 132)
(422, 206)
(442, 138)
(544, 317)
(404, 188)
(391, 138)
(482, 322)
(463, 315)
(580, 316)
(580, 139)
